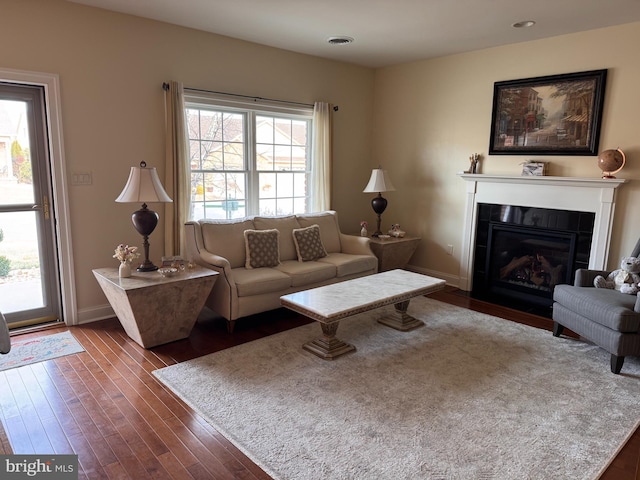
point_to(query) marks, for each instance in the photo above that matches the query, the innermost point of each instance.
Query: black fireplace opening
(523, 252)
(525, 263)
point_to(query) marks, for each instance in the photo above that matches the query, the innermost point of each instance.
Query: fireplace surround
(526, 194)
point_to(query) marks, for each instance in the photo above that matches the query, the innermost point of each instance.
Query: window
(247, 161)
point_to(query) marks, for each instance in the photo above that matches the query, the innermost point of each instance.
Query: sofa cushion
(257, 281)
(262, 248)
(329, 229)
(347, 264)
(285, 225)
(224, 238)
(609, 308)
(307, 273)
(308, 243)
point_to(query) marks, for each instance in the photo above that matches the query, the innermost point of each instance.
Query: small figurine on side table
(395, 231)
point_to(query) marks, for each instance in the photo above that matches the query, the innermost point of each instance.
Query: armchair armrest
(585, 277)
(355, 245)
(636, 307)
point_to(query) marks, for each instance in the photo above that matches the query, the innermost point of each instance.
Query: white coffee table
(331, 303)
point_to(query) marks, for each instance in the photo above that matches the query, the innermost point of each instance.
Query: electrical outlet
(449, 249)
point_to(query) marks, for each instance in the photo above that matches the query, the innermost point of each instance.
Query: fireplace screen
(526, 262)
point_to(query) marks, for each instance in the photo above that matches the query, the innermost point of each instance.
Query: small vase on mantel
(124, 271)
(363, 232)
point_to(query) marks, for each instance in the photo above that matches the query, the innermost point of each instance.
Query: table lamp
(379, 182)
(144, 186)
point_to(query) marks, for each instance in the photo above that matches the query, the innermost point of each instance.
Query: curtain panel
(177, 181)
(320, 197)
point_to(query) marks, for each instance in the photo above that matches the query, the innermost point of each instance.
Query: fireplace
(572, 216)
(521, 253)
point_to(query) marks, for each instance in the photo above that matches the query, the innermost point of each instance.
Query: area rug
(467, 396)
(33, 350)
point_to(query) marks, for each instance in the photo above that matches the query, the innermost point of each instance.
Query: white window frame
(251, 108)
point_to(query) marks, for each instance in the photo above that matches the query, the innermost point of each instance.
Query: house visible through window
(248, 161)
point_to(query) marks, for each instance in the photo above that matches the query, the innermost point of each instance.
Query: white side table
(393, 252)
(153, 309)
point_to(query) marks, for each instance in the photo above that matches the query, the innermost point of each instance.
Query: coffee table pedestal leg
(400, 319)
(328, 346)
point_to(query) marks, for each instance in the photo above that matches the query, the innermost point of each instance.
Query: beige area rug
(468, 396)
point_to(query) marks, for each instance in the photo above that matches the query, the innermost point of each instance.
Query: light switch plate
(81, 178)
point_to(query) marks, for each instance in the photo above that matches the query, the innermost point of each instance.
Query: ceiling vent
(341, 40)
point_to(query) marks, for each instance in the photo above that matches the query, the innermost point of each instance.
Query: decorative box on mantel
(561, 193)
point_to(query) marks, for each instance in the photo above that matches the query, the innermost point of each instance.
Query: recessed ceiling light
(339, 40)
(524, 24)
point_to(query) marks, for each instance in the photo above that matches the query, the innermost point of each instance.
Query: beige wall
(111, 69)
(430, 116)
(421, 121)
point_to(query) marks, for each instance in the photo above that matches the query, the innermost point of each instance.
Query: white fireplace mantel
(561, 193)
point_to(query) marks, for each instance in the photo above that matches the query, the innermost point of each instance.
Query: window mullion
(252, 167)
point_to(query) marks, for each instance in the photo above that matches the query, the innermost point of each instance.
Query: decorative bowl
(167, 271)
(384, 237)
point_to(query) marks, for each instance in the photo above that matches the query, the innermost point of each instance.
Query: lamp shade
(379, 182)
(143, 186)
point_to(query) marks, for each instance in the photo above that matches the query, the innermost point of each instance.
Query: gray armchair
(608, 318)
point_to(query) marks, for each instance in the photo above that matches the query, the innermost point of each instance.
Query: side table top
(150, 279)
(383, 241)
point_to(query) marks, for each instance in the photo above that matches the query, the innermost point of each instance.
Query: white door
(29, 276)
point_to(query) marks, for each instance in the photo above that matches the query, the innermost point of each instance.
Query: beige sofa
(241, 290)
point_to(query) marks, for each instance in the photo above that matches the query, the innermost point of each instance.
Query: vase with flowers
(126, 255)
(363, 229)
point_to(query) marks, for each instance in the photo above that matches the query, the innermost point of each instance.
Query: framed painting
(552, 115)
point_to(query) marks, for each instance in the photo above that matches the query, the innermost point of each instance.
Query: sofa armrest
(355, 245)
(197, 251)
(585, 277)
(216, 262)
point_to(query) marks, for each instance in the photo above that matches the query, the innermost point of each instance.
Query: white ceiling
(386, 32)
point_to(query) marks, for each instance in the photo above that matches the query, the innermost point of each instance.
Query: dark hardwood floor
(106, 406)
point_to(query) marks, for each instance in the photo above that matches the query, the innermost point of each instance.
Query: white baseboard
(93, 314)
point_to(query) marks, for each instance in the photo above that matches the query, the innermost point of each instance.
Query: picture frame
(175, 261)
(550, 115)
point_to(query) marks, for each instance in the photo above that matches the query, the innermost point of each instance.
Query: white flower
(125, 253)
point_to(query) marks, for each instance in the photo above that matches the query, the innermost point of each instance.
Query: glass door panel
(29, 287)
(20, 279)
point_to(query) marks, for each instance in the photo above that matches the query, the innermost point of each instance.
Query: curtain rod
(165, 86)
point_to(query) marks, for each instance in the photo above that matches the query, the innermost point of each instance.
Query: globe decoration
(611, 162)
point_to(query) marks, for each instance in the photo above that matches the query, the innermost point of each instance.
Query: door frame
(51, 85)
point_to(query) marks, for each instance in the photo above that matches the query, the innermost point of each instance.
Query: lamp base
(379, 205)
(145, 221)
(147, 266)
(378, 232)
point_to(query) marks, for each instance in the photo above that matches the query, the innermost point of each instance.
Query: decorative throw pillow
(308, 243)
(262, 248)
